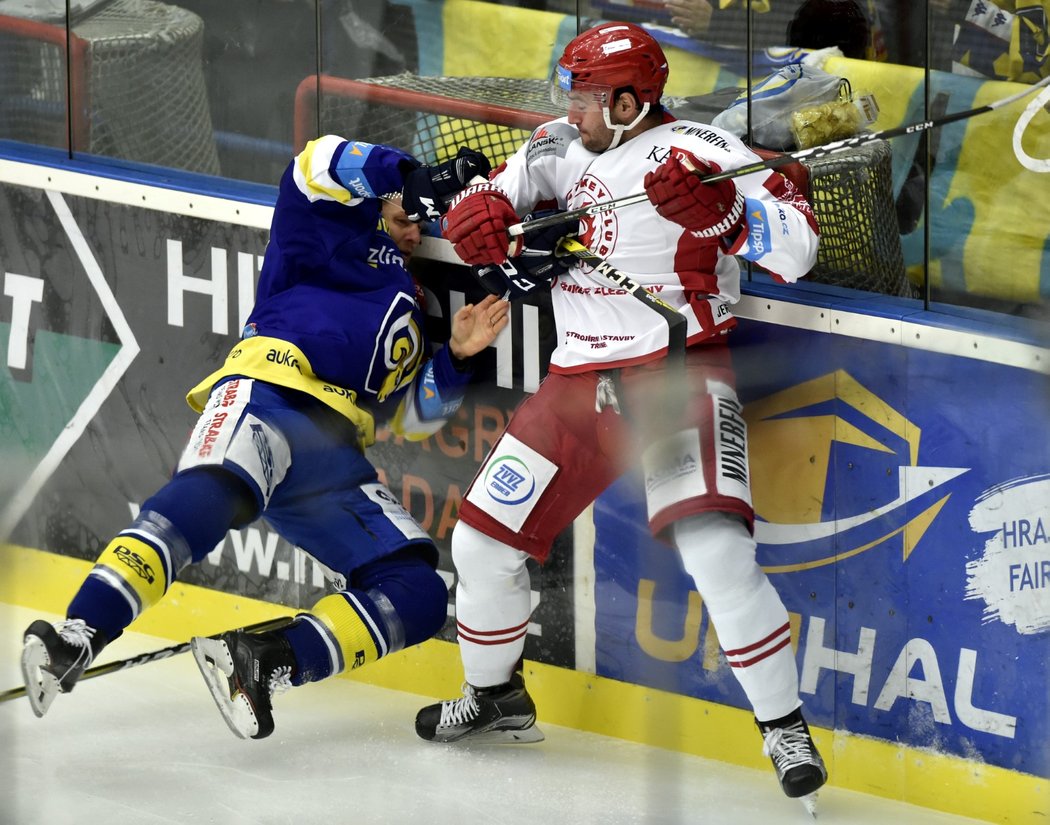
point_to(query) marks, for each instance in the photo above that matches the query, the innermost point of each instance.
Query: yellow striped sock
(359, 640)
(134, 568)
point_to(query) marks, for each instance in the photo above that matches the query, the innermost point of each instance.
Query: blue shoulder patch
(759, 236)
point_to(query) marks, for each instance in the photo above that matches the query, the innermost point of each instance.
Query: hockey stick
(676, 321)
(153, 656)
(779, 160)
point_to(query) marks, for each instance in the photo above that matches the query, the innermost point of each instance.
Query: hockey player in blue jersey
(333, 347)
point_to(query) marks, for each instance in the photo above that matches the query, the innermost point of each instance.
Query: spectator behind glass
(726, 23)
(820, 24)
(816, 24)
(1001, 40)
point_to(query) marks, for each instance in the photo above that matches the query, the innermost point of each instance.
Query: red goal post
(36, 83)
(134, 83)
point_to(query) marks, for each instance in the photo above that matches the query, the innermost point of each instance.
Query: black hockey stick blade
(151, 656)
(676, 321)
(780, 160)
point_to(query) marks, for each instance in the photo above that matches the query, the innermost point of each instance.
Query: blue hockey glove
(537, 267)
(429, 189)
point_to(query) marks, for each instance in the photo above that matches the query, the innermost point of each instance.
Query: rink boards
(902, 500)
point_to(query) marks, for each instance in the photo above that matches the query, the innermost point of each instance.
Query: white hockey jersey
(602, 327)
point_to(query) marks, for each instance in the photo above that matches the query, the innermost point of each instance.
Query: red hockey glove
(711, 210)
(477, 222)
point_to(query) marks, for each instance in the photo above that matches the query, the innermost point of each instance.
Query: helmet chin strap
(619, 128)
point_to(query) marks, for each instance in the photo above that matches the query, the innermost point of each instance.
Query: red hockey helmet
(609, 57)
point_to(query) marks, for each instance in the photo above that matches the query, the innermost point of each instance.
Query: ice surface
(147, 746)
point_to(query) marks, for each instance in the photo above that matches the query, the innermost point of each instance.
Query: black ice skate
(54, 657)
(243, 672)
(504, 713)
(795, 757)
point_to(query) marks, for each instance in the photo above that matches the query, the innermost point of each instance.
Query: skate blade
(216, 666)
(809, 802)
(503, 737)
(41, 687)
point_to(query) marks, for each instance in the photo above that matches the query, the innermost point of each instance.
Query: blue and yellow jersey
(1006, 39)
(336, 313)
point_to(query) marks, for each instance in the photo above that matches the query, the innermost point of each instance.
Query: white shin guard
(748, 615)
(493, 605)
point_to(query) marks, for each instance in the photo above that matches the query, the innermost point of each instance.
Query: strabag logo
(835, 473)
(1012, 575)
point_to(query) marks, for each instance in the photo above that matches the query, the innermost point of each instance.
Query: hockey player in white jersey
(603, 402)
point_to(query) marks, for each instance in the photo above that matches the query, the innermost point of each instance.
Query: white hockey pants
(749, 617)
(493, 605)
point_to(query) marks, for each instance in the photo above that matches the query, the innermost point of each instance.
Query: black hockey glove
(537, 267)
(540, 257)
(507, 281)
(429, 189)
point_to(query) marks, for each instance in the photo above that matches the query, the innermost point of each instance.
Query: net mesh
(138, 85)
(422, 123)
(32, 83)
(852, 196)
(851, 191)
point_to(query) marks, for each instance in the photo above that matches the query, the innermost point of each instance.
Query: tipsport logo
(836, 473)
(509, 480)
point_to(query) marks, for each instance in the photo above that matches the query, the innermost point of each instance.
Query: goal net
(851, 191)
(427, 116)
(135, 81)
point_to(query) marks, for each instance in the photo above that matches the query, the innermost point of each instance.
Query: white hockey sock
(492, 605)
(745, 609)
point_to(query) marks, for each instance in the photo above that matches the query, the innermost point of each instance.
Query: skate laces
(788, 747)
(458, 711)
(280, 680)
(75, 633)
(78, 633)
